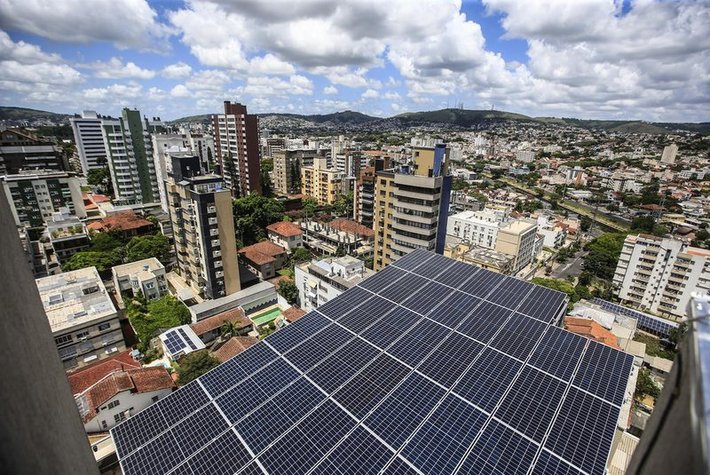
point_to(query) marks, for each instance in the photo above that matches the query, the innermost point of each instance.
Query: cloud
(274, 86)
(126, 24)
(270, 64)
(180, 91)
(116, 69)
(330, 90)
(392, 95)
(176, 71)
(370, 94)
(115, 93)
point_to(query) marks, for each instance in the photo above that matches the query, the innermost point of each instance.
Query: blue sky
(640, 59)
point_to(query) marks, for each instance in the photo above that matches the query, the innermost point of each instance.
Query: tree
(252, 214)
(288, 290)
(585, 223)
(267, 188)
(169, 308)
(675, 335)
(645, 386)
(103, 261)
(98, 177)
(603, 255)
(194, 365)
(106, 241)
(309, 205)
(143, 247)
(147, 318)
(300, 255)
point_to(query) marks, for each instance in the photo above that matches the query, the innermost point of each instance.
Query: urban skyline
(593, 59)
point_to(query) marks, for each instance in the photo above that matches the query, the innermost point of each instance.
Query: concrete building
(146, 278)
(89, 140)
(285, 234)
(83, 319)
(323, 184)
(129, 148)
(320, 281)
(480, 228)
(180, 341)
(364, 191)
(67, 236)
(669, 154)
(465, 251)
(525, 156)
(36, 197)
(203, 226)
(411, 205)
(287, 169)
(165, 145)
(236, 142)
(349, 236)
(553, 233)
(518, 238)
(659, 275)
(264, 258)
(22, 152)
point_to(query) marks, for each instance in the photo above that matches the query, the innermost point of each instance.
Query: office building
(145, 278)
(203, 226)
(659, 275)
(21, 152)
(322, 183)
(350, 162)
(287, 169)
(236, 143)
(411, 204)
(35, 197)
(320, 281)
(669, 154)
(129, 148)
(89, 140)
(83, 319)
(338, 235)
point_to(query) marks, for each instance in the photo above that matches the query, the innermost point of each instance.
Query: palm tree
(229, 328)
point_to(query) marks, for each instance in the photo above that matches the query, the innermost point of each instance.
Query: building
(236, 142)
(321, 183)
(89, 140)
(320, 281)
(489, 259)
(129, 147)
(34, 198)
(21, 152)
(480, 228)
(364, 191)
(125, 224)
(146, 278)
(518, 239)
(203, 227)
(83, 319)
(287, 169)
(165, 145)
(180, 341)
(553, 233)
(659, 275)
(339, 234)
(120, 394)
(210, 328)
(411, 206)
(67, 236)
(286, 234)
(264, 258)
(669, 154)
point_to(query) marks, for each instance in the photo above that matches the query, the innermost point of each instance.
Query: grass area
(286, 271)
(654, 347)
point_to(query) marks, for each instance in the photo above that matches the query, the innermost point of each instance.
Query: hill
(458, 117)
(20, 114)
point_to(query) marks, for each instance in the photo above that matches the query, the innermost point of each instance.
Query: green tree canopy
(645, 386)
(194, 365)
(300, 255)
(103, 261)
(143, 247)
(288, 290)
(162, 313)
(252, 214)
(603, 255)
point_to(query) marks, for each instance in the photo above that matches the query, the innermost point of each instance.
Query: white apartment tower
(89, 139)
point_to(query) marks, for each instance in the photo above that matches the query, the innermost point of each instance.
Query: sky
(593, 59)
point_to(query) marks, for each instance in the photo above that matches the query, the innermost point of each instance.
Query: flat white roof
(74, 298)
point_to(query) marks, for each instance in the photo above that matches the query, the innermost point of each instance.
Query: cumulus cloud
(274, 86)
(180, 91)
(330, 90)
(126, 24)
(176, 71)
(117, 69)
(370, 94)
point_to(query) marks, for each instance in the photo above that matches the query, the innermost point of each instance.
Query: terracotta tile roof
(293, 314)
(87, 376)
(285, 228)
(278, 279)
(233, 347)
(136, 380)
(588, 328)
(262, 252)
(352, 227)
(124, 221)
(216, 321)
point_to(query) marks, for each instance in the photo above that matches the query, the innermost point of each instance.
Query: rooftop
(285, 228)
(236, 315)
(150, 264)
(123, 221)
(87, 376)
(74, 298)
(262, 252)
(233, 347)
(351, 227)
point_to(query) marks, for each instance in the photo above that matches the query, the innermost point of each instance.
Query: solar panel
(430, 366)
(648, 323)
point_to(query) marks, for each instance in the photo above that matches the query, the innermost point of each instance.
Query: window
(154, 399)
(63, 339)
(120, 417)
(82, 335)
(104, 425)
(113, 404)
(104, 326)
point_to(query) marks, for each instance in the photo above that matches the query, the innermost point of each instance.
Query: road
(572, 267)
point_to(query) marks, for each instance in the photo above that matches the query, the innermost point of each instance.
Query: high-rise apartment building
(236, 143)
(364, 191)
(323, 184)
(287, 169)
(411, 205)
(22, 152)
(89, 140)
(659, 275)
(130, 151)
(35, 197)
(203, 225)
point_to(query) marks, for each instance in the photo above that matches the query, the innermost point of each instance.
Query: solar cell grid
(457, 274)
(558, 352)
(403, 410)
(274, 377)
(453, 308)
(446, 363)
(548, 463)
(225, 456)
(423, 299)
(144, 426)
(155, 458)
(413, 259)
(483, 284)
(417, 343)
(403, 288)
(609, 384)
(181, 403)
(485, 320)
(489, 377)
(394, 325)
(335, 308)
(303, 397)
(593, 428)
(309, 324)
(433, 267)
(543, 304)
(366, 314)
(307, 355)
(511, 293)
(286, 338)
(224, 376)
(382, 279)
(360, 449)
(500, 451)
(262, 427)
(198, 429)
(240, 400)
(519, 335)
(444, 438)
(186, 339)
(531, 403)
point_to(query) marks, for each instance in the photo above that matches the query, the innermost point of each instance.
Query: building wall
(287, 242)
(518, 243)
(35, 198)
(129, 404)
(89, 140)
(228, 242)
(323, 184)
(21, 152)
(38, 408)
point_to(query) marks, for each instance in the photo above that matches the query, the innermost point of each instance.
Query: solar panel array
(645, 322)
(177, 341)
(429, 366)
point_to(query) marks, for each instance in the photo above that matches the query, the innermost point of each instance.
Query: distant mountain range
(351, 120)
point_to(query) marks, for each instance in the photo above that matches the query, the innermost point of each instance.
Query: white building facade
(319, 282)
